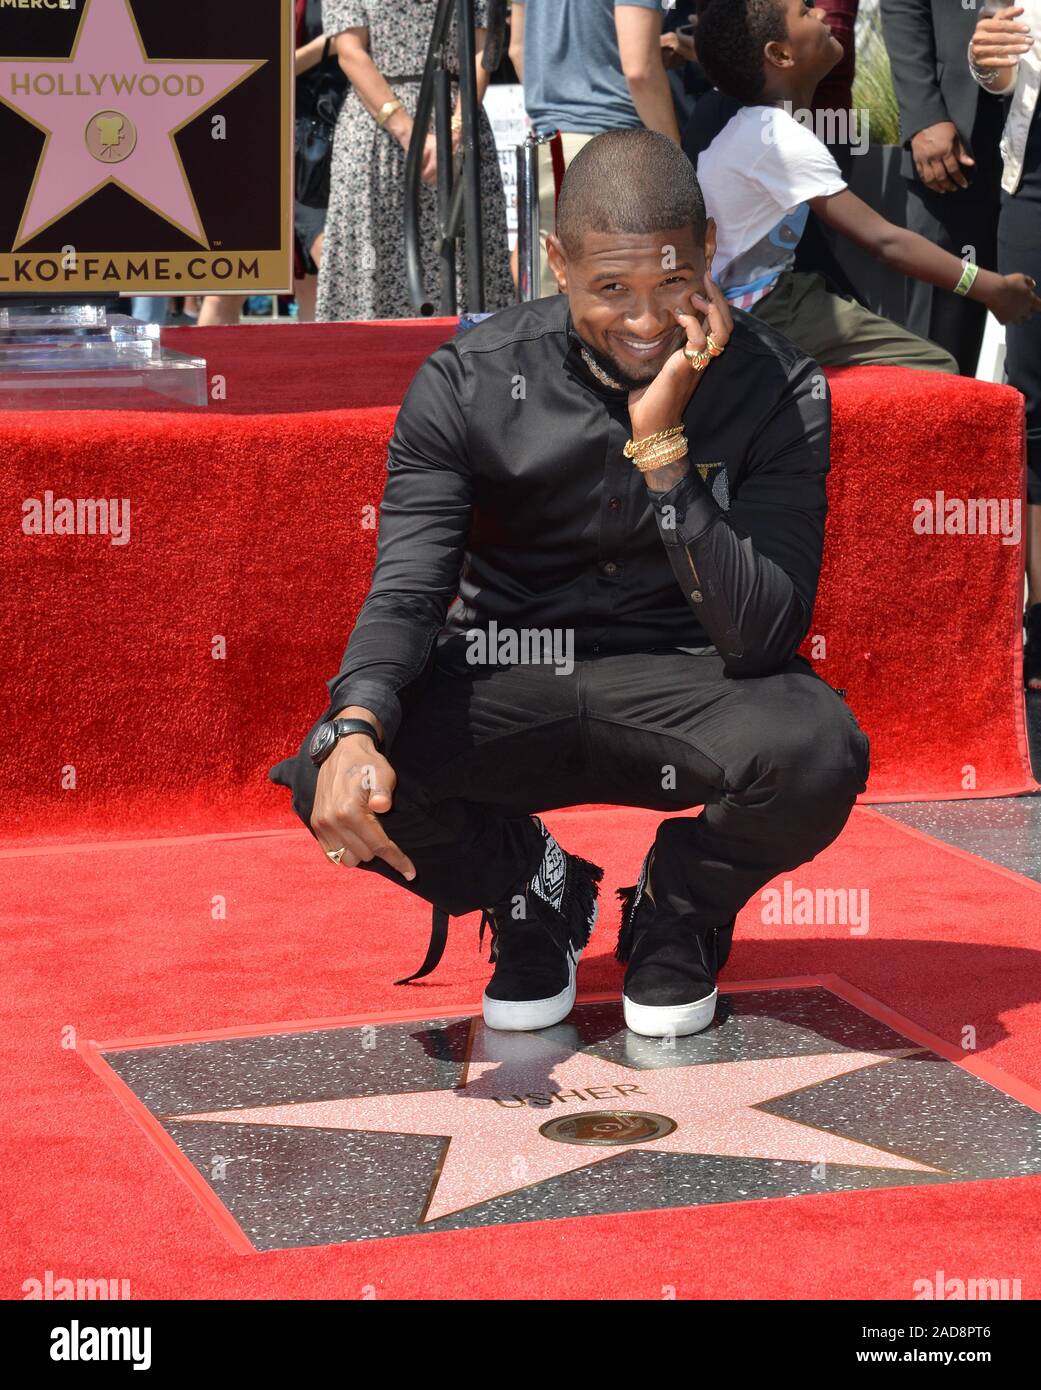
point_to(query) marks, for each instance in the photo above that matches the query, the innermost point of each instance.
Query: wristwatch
(387, 110)
(328, 735)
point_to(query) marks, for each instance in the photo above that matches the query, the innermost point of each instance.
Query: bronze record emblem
(608, 1127)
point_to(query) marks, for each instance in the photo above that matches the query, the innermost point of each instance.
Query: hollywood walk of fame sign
(345, 1133)
(147, 147)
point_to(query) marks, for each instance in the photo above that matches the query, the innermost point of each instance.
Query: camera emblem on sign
(111, 137)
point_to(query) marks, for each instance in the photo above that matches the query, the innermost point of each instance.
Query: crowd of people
(740, 85)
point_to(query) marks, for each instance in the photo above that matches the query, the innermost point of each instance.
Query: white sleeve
(794, 165)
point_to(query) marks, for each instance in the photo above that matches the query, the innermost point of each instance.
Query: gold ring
(698, 359)
(336, 854)
(714, 350)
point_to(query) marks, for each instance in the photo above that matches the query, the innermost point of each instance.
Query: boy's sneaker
(537, 941)
(670, 982)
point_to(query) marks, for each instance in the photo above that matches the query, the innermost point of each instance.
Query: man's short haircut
(628, 181)
(730, 38)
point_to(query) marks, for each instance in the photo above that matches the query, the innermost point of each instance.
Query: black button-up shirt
(508, 498)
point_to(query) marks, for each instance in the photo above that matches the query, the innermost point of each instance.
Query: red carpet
(248, 529)
(119, 942)
(340, 367)
(251, 539)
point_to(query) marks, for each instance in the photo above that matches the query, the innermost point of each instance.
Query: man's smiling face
(623, 287)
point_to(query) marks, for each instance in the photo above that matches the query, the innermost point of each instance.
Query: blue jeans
(150, 308)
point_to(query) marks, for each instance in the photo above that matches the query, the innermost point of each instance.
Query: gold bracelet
(661, 455)
(635, 448)
(651, 447)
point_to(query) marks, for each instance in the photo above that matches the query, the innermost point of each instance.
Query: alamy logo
(49, 1287)
(821, 907)
(942, 1288)
(831, 127)
(525, 646)
(941, 515)
(77, 516)
(79, 1343)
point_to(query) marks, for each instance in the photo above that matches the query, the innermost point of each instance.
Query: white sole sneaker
(528, 1015)
(674, 1021)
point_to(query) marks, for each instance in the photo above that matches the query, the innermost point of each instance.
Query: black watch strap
(342, 727)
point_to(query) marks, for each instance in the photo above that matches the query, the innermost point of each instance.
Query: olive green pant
(839, 332)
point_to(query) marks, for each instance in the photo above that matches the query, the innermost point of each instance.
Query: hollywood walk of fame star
(493, 1120)
(79, 102)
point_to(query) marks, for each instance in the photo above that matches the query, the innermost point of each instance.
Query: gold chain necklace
(600, 374)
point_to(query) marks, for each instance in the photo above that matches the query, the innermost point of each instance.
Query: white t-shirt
(757, 176)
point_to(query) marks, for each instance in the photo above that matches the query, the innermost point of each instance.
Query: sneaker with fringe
(672, 964)
(538, 934)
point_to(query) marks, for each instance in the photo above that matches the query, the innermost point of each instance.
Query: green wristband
(968, 278)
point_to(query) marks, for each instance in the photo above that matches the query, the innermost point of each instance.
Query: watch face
(322, 742)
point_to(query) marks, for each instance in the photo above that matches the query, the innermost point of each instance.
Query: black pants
(777, 763)
(1019, 248)
(963, 223)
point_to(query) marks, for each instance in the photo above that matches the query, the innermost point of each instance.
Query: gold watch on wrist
(387, 110)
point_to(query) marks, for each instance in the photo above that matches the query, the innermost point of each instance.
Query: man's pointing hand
(355, 786)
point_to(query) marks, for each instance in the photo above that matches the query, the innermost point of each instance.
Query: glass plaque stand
(81, 357)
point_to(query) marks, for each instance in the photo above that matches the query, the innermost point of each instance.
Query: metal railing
(458, 202)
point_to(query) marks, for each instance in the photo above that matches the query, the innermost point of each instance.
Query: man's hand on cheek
(660, 404)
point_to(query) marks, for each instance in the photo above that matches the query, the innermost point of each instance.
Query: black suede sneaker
(538, 933)
(672, 964)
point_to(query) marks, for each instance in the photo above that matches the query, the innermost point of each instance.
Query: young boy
(765, 172)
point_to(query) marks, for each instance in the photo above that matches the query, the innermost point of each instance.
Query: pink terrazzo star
(493, 1130)
(86, 101)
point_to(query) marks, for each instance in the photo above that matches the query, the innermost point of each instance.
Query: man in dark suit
(951, 129)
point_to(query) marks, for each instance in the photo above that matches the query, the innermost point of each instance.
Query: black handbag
(314, 137)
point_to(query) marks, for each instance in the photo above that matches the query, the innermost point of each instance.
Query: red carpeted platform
(119, 941)
(150, 685)
(249, 527)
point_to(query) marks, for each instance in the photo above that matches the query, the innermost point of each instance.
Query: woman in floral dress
(382, 47)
